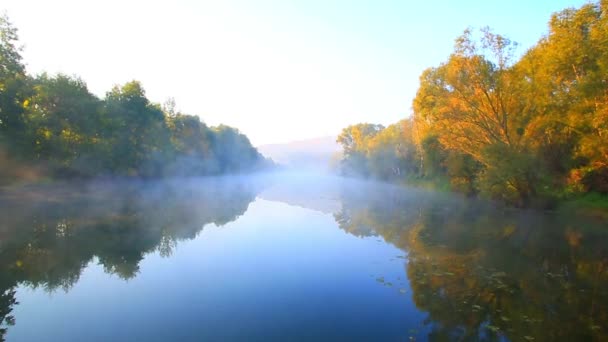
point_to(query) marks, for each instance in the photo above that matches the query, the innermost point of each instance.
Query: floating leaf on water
(402, 291)
(529, 338)
(504, 319)
(499, 274)
(595, 327)
(389, 284)
(412, 331)
(476, 307)
(380, 279)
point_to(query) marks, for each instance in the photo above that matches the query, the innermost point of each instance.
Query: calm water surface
(292, 258)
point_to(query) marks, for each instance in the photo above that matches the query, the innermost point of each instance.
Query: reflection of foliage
(483, 272)
(51, 234)
(7, 301)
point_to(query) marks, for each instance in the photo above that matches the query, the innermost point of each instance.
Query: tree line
(529, 129)
(54, 126)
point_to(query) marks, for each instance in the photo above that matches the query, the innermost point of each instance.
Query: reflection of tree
(487, 273)
(51, 234)
(7, 301)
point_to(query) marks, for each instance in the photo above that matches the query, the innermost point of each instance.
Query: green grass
(590, 204)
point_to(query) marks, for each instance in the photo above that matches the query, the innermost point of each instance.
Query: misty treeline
(528, 130)
(53, 126)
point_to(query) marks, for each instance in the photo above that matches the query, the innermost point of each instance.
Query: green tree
(14, 91)
(137, 130)
(66, 121)
(191, 141)
(233, 150)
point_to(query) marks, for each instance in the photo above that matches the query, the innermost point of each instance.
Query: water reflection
(48, 235)
(476, 270)
(484, 272)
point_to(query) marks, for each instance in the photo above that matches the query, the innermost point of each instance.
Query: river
(292, 257)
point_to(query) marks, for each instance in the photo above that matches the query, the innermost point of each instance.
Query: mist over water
(293, 256)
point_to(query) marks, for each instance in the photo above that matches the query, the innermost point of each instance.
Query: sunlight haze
(303, 170)
(277, 70)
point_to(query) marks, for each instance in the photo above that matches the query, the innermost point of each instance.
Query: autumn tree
(354, 140)
(474, 104)
(566, 72)
(391, 153)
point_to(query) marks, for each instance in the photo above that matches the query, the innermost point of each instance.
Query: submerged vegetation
(528, 131)
(53, 126)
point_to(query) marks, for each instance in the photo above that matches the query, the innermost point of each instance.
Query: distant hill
(312, 154)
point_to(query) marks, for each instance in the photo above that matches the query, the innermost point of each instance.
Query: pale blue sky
(277, 70)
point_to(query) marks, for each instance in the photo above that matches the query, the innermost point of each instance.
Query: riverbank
(593, 204)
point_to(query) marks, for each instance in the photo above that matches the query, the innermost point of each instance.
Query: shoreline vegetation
(52, 127)
(530, 131)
